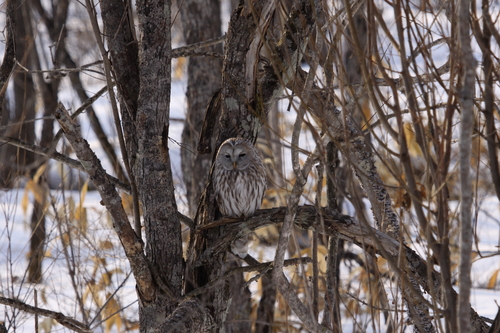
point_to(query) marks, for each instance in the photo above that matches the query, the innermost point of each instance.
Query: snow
(97, 251)
(57, 288)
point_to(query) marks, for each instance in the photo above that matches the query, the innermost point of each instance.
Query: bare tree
(387, 114)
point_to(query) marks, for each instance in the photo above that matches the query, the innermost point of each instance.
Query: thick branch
(60, 158)
(68, 322)
(189, 316)
(352, 231)
(131, 243)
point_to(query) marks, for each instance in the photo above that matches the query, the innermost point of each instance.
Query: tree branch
(50, 153)
(255, 266)
(188, 316)
(188, 50)
(466, 99)
(131, 243)
(68, 322)
(352, 231)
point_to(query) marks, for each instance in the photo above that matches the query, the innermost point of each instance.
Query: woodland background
(377, 124)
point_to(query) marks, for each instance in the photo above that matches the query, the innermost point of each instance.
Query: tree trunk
(16, 161)
(152, 166)
(200, 21)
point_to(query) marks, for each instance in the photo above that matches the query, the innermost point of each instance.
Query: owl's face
(236, 157)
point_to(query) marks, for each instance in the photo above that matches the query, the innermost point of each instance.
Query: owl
(239, 180)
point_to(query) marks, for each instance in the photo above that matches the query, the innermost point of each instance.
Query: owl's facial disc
(238, 158)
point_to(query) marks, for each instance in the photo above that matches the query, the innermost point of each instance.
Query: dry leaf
(492, 282)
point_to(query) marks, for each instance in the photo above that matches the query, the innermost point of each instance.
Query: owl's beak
(234, 165)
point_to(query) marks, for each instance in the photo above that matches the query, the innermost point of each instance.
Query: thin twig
(62, 71)
(80, 110)
(183, 50)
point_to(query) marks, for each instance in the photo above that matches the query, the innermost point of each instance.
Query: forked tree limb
(352, 231)
(190, 315)
(254, 266)
(132, 245)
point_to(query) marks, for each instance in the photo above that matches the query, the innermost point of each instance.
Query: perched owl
(239, 180)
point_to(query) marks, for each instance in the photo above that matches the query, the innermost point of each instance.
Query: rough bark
(189, 316)
(240, 304)
(265, 310)
(152, 165)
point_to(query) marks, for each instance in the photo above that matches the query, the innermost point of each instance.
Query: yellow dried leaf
(98, 260)
(43, 296)
(411, 140)
(111, 311)
(492, 282)
(80, 211)
(352, 307)
(116, 271)
(179, 68)
(71, 208)
(25, 201)
(133, 325)
(92, 290)
(36, 189)
(106, 245)
(383, 267)
(39, 172)
(81, 219)
(128, 203)
(105, 279)
(84, 191)
(65, 239)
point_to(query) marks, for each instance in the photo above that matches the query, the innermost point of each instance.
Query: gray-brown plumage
(239, 180)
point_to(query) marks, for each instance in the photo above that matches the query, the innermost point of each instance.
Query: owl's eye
(243, 155)
(228, 156)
